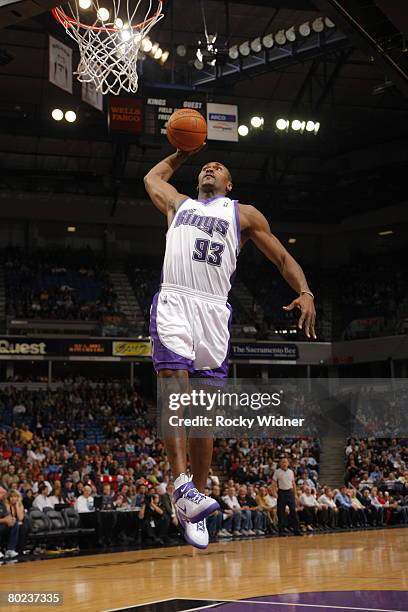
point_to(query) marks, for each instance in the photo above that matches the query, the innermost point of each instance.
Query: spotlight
(280, 37)
(304, 29)
(70, 116)
(118, 23)
(154, 48)
(57, 114)
(103, 14)
(71, 229)
(233, 52)
(310, 126)
(296, 125)
(126, 35)
(256, 122)
(198, 65)
(291, 34)
(318, 25)
(385, 233)
(267, 41)
(181, 50)
(244, 49)
(147, 44)
(282, 124)
(164, 57)
(85, 4)
(256, 45)
(292, 240)
(316, 127)
(329, 23)
(158, 54)
(243, 130)
(199, 55)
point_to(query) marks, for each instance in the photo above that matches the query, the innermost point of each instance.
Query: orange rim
(69, 22)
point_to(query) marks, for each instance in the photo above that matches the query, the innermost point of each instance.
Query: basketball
(186, 129)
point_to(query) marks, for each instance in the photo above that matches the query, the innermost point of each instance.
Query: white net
(110, 37)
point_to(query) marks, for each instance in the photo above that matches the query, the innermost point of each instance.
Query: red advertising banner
(125, 115)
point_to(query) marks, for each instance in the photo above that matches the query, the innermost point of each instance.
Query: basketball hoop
(110, 43)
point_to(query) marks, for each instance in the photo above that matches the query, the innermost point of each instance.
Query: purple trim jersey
(202, 246)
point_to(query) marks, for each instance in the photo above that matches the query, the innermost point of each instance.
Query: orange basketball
(186, 129)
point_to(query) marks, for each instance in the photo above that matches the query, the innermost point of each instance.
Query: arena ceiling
(357, 162)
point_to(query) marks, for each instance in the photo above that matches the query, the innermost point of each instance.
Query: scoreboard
(159, 110)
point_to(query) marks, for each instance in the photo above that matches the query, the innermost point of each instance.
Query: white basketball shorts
(190, 331)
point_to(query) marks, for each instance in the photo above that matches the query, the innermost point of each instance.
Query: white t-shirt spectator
(326, 501)
(231, 501)
(42, 501)
(84, 504)
(35, 487)
(308, 500)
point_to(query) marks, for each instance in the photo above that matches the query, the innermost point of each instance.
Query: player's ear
(229, 186)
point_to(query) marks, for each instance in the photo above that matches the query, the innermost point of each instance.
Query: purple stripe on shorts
(164, 358)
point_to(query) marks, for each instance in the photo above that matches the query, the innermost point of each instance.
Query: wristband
(308, 293)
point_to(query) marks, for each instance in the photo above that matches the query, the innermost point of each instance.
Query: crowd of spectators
(57, 284)
(94, 447)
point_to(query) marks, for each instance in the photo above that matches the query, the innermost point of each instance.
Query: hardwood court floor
(372, 560)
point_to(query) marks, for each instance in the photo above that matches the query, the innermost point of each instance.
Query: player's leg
(175, 445)
(200, 451)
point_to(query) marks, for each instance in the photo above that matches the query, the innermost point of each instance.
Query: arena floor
(347, 571)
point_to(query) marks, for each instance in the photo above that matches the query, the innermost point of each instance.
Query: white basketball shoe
(195, 534)
(193, 505)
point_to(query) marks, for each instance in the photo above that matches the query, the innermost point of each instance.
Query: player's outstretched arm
(163, 195)
(255, 227)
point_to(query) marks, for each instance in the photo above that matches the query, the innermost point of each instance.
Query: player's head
(214, 178)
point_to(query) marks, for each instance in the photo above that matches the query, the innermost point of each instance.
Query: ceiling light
(164, 57)
(85, 4)
(296, 125)
(304, 29)
(291, 34)
(256, 122)
(71, 229)
(126, 35)
(317, 127)
(280, 37)
(385, 233)
(70, 116)
(329, 23)
(147, 44)
(158, 54)
(103, 14)
(233, 52)
(181, 50)
(318, 25)
(118, 23)
(243, 130)
(310, 126)
(267, 41)
(57, 114)
(282, 124)
(154, 48)
(256, 45)
(292, 240)
(244, 49)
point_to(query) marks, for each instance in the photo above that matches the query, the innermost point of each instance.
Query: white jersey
(202, 246)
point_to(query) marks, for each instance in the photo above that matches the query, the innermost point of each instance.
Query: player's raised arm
(163, 195)
(255, 227)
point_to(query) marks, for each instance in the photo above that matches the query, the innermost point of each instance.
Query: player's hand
(186, 154)
(307, 318)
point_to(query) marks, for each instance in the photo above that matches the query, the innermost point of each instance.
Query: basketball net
(109, 40)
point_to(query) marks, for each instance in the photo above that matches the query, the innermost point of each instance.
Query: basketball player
(190, 315)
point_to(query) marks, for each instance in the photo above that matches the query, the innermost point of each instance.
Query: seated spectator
(242, 517)
(42, 500)
(85, 502)
(224, 517)
(373, 514)
(267, 503)
(311, 506)
(361, 516)
(68, 492)
(248, 504)
(167, 504)
(107, 497)
(9, 528)
(15, 507)
(345, 507)
(326, 499)
(376, 503)
(56, 496)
